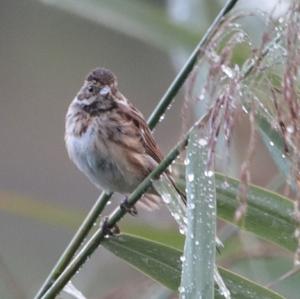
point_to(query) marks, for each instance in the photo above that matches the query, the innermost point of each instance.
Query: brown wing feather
(150, 145)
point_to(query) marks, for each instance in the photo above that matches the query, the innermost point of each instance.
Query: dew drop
(290, 129)
(191, 177)
(281, 20)
(182, 231)
(201, 97)
(202, 142)
(245, 109)
(162, 118)
(208, 173)
(176, 216)
(192, 206)
(166, 198)
(228, 71)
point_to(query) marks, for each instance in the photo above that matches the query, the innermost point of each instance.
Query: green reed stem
(75, 243)
(181, 77)
(97, 209)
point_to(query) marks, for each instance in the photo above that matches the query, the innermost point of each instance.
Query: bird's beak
(105, 90)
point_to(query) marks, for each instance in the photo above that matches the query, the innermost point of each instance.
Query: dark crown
(103, 76)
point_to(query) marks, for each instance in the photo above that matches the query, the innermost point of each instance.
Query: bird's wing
(150, 146)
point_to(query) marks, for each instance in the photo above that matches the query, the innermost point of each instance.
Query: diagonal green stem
(152, 122)
(75, 243)
(117, 214)
(198, 52)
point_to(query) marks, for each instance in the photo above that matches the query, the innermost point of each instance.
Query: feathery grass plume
(263, 82)
(222, 90)
(286, 102)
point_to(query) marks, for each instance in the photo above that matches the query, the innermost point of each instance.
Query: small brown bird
(108, 138)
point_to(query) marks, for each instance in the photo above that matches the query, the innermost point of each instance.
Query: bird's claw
(128, 209)
(108, 230)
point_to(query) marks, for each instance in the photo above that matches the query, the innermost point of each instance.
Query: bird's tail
(152, 199)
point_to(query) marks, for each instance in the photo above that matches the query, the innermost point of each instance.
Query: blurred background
(47, 47)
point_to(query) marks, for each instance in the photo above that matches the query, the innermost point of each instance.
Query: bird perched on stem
(109, 140)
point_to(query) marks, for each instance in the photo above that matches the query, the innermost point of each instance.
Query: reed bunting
(108, 139)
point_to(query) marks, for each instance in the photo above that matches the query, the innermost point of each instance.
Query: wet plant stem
(75, 243)
(181, 77)
(100, 235)
(154, 118)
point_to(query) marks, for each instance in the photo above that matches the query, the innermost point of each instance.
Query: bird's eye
(91, 88)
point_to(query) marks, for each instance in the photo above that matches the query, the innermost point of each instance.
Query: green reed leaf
(163, 264)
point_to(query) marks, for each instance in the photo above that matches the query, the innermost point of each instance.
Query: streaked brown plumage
(108, 138)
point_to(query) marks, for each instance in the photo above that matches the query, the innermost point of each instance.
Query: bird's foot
(125, 207)
(108, 230)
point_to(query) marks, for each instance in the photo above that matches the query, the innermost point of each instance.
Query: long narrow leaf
(172, 199)
(197, 279)
(163, 264)
(275, 145)
(269, 215)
